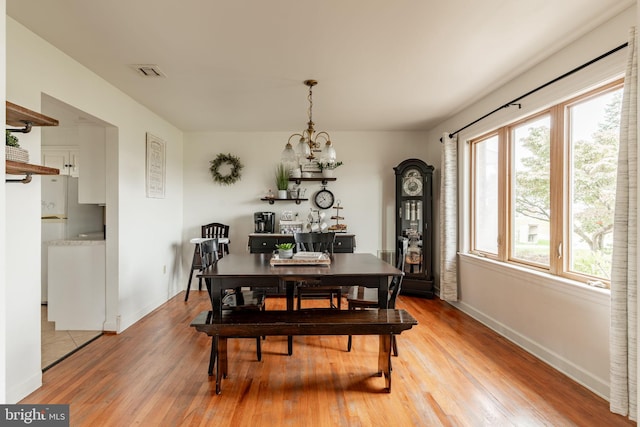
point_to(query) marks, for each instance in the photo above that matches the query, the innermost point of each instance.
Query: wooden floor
(451, 371)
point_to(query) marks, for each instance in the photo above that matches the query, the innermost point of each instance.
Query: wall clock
(324, 199)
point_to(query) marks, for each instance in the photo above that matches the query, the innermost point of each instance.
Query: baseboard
(22, 390)
(595, 384)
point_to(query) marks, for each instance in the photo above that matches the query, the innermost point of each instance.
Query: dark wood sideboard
(262, 243)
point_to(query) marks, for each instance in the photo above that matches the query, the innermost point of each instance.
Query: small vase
(285, 253)
(327, 173)
(282, 194)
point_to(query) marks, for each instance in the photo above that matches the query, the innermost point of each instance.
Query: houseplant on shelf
(282, 180)
(327, 168)
(12, 149)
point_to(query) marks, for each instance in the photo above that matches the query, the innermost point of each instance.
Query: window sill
(536, 278)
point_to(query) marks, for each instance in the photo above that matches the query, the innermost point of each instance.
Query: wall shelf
(18, 168)
(272, 200)
(317, 179)
(20, 116)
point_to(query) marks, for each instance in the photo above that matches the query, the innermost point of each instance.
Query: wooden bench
(383, 323)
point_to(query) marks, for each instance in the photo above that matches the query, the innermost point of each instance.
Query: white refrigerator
(63, 218)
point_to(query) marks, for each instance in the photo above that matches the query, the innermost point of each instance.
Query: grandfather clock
(414, 220)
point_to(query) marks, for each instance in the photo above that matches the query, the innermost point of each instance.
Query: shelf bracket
(25, 129)
(25, 180)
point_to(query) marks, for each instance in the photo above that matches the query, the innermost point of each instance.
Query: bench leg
(221, 366)
(384, 360)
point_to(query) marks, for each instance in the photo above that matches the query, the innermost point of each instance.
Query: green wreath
(234, 174)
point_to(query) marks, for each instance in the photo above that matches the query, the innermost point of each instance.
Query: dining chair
(214, 229)
(233, 299)
(311, 289)
(360, 297)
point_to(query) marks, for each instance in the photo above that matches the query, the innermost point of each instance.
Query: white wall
(143, 235)
(3, 225)
(563, 323)
(364, 185)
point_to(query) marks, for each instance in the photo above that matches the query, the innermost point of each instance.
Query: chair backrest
(215, 229)
(396, 282)
(314, 242)
(208, 253)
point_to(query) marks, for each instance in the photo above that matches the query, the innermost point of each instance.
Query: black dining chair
(214, 229)
(233, 299)
(311, 289)
(360, 297)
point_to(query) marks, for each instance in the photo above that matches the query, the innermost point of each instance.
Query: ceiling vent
(148, 70)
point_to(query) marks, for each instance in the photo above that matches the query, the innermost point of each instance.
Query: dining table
(255, 270)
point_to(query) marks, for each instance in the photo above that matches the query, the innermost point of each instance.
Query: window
(543, 188)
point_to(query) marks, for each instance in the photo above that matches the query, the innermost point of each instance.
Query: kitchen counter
(76, 285)
(75, 242)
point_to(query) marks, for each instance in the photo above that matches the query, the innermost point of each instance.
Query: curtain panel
(449, 219)
(624, 273)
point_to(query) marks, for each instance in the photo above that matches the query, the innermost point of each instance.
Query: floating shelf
(20, 116)
(272, 200)
(317, 179)
(18, 168)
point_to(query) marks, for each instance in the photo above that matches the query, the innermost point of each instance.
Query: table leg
(289, 288)
(384, 360)
(383, 292)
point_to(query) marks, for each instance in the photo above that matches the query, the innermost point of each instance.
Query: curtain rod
(515, 101)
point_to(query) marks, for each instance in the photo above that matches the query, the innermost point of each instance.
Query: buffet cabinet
(262, 243)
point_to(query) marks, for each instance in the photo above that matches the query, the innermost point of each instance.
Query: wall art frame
(155, 166)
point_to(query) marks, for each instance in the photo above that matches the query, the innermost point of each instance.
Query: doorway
(80, 140)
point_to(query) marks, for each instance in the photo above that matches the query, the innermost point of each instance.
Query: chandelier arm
(295, 134)
(323, 135)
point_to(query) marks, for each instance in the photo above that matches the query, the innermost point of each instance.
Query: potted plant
(327, 168)
(282, 180)
(13, 150)
(285, 250)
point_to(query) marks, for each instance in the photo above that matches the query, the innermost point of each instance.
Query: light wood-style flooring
(56, 345)
(451, 371)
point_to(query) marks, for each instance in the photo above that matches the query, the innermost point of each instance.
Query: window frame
(560, 154)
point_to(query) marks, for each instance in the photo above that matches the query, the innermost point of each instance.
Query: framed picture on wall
(155, 167)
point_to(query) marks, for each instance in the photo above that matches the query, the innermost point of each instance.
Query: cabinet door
(262, 245)
(66, 160)
(92, 187)
(344, 244)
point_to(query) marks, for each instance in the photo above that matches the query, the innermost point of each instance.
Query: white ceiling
(238, 65)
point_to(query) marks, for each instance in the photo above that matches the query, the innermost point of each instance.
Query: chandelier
(309, 142)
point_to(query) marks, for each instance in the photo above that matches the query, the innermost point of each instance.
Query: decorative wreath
(236, 168)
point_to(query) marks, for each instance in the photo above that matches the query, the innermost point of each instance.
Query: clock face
(324, 199)
(412, 183)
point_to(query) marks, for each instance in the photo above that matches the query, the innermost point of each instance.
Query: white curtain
(624, 285)
(449, 219)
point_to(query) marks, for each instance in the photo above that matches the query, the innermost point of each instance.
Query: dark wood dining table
(255, 270)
